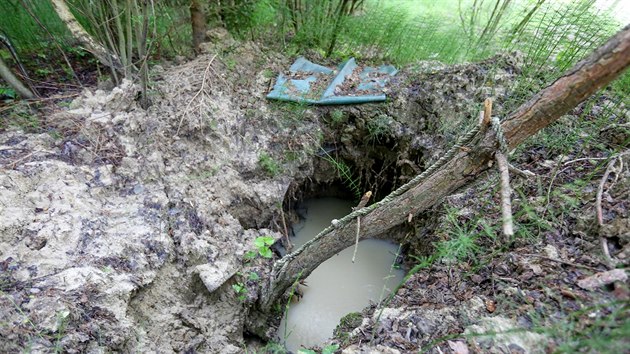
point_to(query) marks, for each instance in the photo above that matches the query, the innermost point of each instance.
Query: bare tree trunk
(141, 39)
(198, 22)
(26, 91)
(584, 79)
(106, 57)
(341, 14)
(7, 75)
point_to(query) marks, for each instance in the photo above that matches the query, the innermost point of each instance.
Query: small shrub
(378, 128)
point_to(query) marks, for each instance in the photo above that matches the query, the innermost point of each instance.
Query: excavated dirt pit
(127, 229)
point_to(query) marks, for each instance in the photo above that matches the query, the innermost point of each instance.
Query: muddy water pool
(338, 286)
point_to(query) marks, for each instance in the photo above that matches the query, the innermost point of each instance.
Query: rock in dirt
(502, 335)
(216, 274)
(604, 278)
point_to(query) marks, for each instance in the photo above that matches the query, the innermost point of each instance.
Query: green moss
(347, 324)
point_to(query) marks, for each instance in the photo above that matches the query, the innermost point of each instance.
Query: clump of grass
(22, 117)
(345, 173)
(337, 117)
(378, 127)
(463, 243)
(594, 329)
(268, 164)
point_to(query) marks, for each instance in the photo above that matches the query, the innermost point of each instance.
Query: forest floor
(123, 229)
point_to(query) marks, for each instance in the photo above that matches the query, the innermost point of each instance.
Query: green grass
(345, 174)
(23, 30)
(173, 35)
(268, 164)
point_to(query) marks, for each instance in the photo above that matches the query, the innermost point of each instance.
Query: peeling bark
(583, 80)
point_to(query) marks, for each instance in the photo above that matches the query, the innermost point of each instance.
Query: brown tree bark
(584, 79)
(106, 57)
(198, 23)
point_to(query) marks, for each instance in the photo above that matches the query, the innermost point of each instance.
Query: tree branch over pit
(584, 79)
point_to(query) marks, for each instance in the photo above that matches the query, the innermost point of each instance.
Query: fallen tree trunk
(466, 165)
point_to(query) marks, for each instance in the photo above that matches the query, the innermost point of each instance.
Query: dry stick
(583, 159)
(523, 173)
(487, 112)
(506, 203)
(561, 261)
(362, 203)
(13, 164)
(598, 204)
(286, 231)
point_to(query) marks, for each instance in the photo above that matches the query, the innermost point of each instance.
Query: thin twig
(557, 171)
(561, 261)
(286, 231)
(362, 203)
(356, 241)
(506, 203)
(598, 203)
(585, 158)
(13, 164)
(522, 173)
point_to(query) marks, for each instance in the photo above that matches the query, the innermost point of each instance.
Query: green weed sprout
(262, 244)
(240, 290)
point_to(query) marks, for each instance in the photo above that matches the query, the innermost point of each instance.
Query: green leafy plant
(241, 290)
(7, 92)
(253, 276)
(249, 255)
(263, 244)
